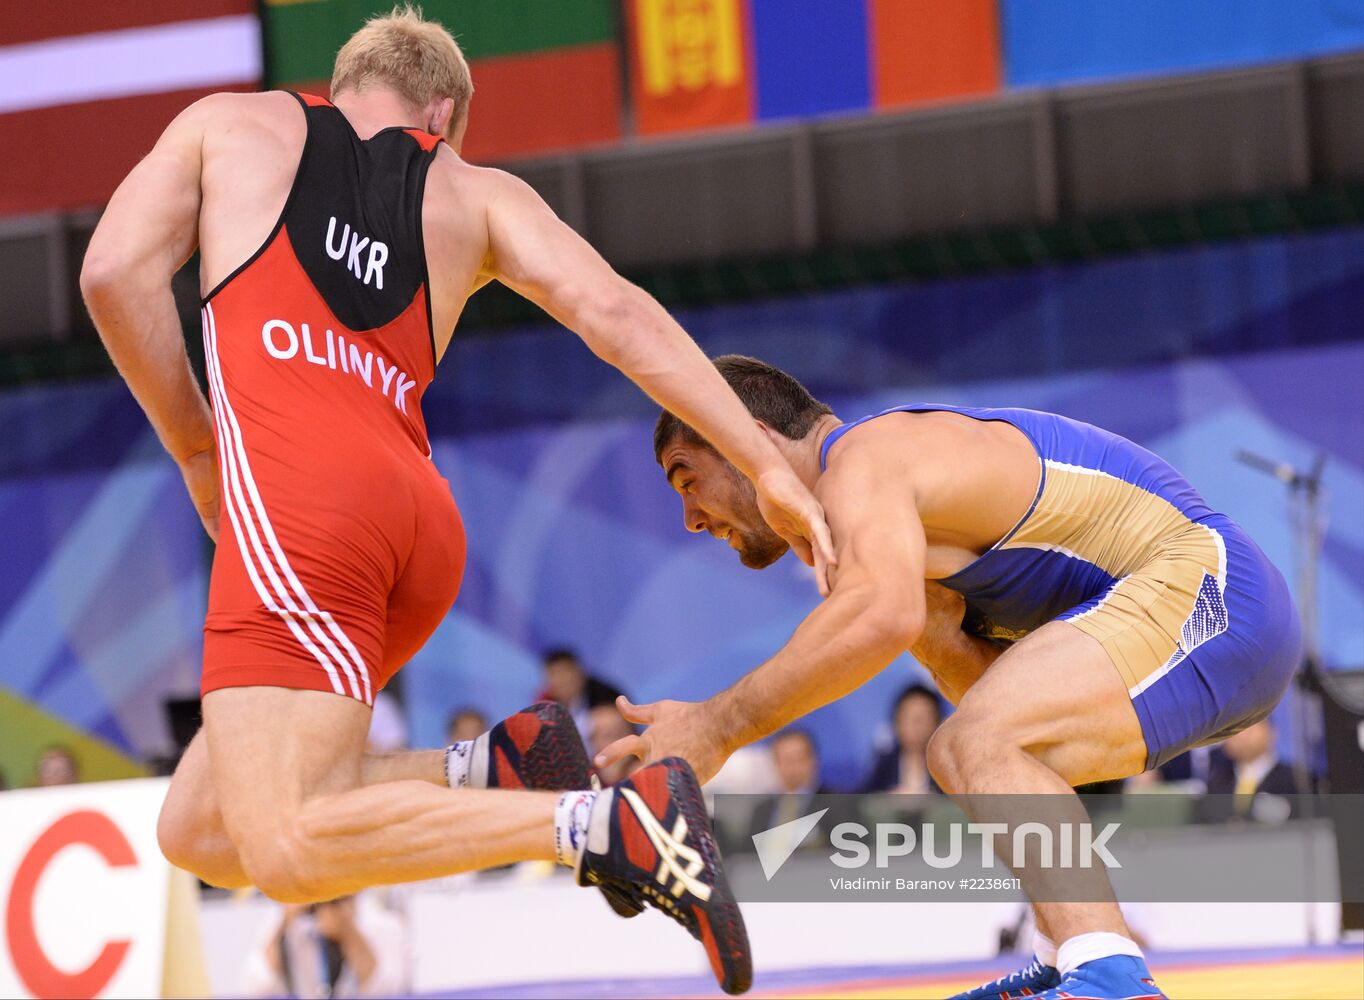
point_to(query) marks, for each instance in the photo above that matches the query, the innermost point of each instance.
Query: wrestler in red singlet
(342, 548)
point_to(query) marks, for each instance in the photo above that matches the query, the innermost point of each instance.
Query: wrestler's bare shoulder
(454, 180)
(228, 114)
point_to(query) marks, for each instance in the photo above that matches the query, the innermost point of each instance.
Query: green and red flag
(546, 74)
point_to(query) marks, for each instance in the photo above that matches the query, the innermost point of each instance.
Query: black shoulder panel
(355, 218)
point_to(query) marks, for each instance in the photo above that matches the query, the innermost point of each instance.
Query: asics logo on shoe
(677, 859)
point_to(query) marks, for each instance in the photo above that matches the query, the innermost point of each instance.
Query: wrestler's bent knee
(205, 857)
(279, 864)
(179, 837)
(948, 756)
(965, 746)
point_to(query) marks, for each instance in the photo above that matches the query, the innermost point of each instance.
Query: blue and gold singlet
(1197, 620)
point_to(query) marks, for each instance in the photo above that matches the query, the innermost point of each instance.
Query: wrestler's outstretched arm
(148, 231)
(874, 613)
(538, 256)
(956, 659)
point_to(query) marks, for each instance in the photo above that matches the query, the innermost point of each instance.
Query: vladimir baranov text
(1149, 847)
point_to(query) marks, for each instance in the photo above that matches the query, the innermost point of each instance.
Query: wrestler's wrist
(727, 724)
(187, 447)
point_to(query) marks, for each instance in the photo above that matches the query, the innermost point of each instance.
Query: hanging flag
(86, 89)
(546, 74)
(925, 50)
(811, 57)
(703, 63)
(689, 65)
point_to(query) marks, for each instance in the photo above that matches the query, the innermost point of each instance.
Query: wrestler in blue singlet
(1197, 620)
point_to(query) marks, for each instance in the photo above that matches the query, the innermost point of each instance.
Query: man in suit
(796, 758)
(1247, 766)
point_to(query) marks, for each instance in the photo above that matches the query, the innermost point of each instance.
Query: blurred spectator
(1247, 766)
(568, 683)
(1187, 772)
(349, 947)
(608, 725)
(796, 758)
(466, 724)
(904, 767)
(56, 766)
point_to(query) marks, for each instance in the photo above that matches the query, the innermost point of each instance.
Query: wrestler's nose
(693, 518)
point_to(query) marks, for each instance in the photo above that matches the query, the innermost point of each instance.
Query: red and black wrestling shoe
(649, 838)
(539, 748)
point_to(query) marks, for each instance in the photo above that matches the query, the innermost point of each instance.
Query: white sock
(466, 763)
(1044, 948)
(570, 826)
(1084, 948)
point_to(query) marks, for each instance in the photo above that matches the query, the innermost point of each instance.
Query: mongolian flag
(705, 63)
(690, 67)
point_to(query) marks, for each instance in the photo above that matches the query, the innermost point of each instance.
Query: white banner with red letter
(84, 891)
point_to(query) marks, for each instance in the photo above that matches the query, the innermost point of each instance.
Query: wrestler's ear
(441, 113)
(772, 435)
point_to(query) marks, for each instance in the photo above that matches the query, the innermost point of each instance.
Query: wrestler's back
(250, 155)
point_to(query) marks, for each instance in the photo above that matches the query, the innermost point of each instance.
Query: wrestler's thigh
(1058, 695)
(190, 828)
(270, 749)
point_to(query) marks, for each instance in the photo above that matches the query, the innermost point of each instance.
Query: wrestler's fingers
(799, 546)
(822, 574)
(822, 540)
(626, 746)
(643, 715)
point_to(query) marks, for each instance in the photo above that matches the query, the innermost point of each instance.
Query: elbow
(611, 315)
(102, 274)
(894, 625)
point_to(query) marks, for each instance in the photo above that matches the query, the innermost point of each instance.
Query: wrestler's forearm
(635, 334)
(846, 641)
(137, 320)
(956, 659)
(404, 765)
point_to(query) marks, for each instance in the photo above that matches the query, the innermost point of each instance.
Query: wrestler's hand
(944, 610)
(200, 472)
(675, 729)
(793, 513)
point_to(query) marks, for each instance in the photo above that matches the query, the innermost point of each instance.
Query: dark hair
(561, 653)
(464, 711)
(799, 733)
(917, 690)
(770, 394)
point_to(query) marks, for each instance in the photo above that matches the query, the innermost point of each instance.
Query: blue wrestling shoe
(1118, 977)
(1028, 981)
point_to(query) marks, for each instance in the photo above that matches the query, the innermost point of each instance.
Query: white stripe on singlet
(239, 469)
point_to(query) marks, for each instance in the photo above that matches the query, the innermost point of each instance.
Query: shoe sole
(554, 758)
(727, 940)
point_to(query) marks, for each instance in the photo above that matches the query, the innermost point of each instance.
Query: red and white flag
(86, 87)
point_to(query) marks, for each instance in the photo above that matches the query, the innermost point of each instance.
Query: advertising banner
(85, 893)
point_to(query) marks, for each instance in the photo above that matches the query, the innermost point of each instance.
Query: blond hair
(405, 52)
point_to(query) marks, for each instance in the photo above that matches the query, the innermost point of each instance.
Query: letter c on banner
(44, 979)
